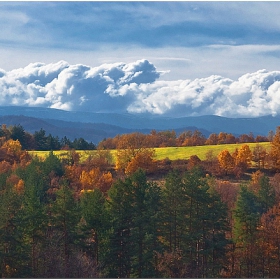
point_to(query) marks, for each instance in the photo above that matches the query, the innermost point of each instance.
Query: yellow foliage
(96, 179)
(13, 146)
(129, 160)
(226, 161)
(256, 176)
(244, 155)
(123, 158)
(86, 191)
(89, 179)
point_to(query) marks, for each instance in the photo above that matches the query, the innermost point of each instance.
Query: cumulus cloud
(136, 88)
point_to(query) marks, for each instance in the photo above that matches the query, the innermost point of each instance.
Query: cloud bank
(136, 88)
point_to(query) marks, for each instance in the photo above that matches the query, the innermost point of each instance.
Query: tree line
(40, 141)
(169, 138)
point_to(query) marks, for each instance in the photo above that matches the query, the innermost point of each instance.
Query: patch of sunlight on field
(64, 154)
(172, 153)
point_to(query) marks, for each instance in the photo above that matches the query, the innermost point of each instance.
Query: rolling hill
(97, 126)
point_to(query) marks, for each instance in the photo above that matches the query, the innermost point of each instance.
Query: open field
(172, 153)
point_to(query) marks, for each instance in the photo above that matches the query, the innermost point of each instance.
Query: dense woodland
(138, 217)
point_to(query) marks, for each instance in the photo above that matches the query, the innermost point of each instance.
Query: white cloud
(136, 88)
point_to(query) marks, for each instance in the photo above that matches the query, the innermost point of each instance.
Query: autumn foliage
(135, 217)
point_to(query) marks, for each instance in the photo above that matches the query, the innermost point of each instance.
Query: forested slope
(139, 217)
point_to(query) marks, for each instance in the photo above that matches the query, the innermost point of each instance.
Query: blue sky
(169, 58)
(191, 39)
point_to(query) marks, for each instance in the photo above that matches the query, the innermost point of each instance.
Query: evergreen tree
(216, 242)
(193, 227)
(33, 221)
(41, 140)
(134, 227)
(13, 251)
(52, 164)
(18, 133)
(33, 175)
(52, 143)
(64, 216)
(64, 142)
(266, 194)
(96, 224)
(246, 220)
(206, 226)
(174, 211)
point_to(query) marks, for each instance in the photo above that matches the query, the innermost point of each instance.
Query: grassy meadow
(172, 153)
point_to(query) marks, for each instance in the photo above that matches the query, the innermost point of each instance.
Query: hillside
(97, 126)
(89, 131)
(173, 153)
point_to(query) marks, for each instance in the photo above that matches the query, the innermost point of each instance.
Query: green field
(172, 153)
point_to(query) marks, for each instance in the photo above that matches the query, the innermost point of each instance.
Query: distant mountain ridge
(97, 126)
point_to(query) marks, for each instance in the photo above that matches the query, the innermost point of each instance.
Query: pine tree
(13, 251)
(266, 194)
(96, 224)
(193, 227)
(133, 212)
(206, 225)
(246, 221)
(64, 215)
(174, 211)
(33, 220)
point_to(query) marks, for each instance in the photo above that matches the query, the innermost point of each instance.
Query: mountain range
(97, 126)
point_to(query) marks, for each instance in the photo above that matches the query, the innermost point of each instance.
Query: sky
(162, 58)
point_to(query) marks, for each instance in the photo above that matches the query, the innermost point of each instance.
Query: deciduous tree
(226, 161)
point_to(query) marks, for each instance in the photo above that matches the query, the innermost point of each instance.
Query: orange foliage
(5, 166)
(19, 187)
(212, 139)
(13, 180)
(89, 179)
(73, 173)
(275, 150)
(96, 179)
(105, 181)
(25, 159)
(259, 156)
(244, 156)
(193, 161)
(129, 160)
(13, 147)
(142, 160)
(226, 161)
(101, 159)
(269, 242)
(275, 183)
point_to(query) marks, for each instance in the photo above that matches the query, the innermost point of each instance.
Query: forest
(139, 217)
